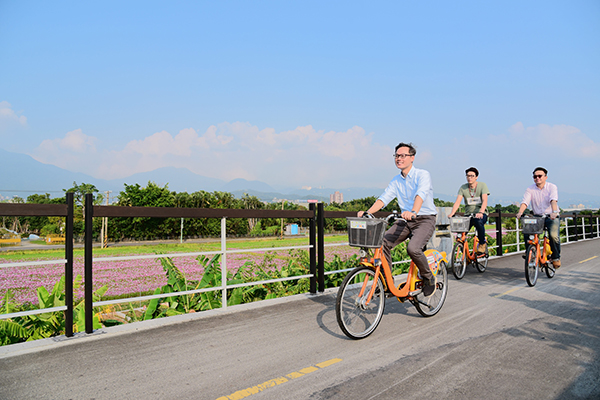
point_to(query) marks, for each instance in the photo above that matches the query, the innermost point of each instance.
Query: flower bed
(131, 277)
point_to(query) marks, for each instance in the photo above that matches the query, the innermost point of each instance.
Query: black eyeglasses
(538, 176)
(402, 156)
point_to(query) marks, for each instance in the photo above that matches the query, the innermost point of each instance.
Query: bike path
(494, 338)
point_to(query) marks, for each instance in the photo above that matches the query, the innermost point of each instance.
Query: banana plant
(177, 282)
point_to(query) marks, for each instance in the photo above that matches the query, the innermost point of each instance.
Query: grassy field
(114, 250)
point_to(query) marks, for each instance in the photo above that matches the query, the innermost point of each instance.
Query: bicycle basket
(533, 225)
(459, 224)
(365, 232)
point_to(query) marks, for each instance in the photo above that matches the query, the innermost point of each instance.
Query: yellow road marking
(591, 258)
(507, 292)
(240, 394)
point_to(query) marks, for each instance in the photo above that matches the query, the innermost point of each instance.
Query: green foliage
(45, 325)
(185, 303)
(441, 203)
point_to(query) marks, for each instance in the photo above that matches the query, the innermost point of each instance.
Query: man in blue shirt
(414, 192)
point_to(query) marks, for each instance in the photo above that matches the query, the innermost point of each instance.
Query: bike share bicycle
(461, 257)
(361, 297)
(537, 257)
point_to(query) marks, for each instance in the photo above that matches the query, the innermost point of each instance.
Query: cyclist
(414, 192)
(542, 197)
(476, 200)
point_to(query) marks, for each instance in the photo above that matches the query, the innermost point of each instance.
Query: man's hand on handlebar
(407, 215)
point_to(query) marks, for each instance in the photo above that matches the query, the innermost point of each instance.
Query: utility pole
(281, 233)
(104, 232)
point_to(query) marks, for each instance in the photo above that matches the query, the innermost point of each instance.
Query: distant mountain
(178, 179)
(22, 175)
(240, 184)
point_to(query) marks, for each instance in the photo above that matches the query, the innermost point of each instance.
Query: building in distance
(337, 197)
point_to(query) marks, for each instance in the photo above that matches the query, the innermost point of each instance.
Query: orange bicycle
(361, 297)
(461, 257)
(537, 257)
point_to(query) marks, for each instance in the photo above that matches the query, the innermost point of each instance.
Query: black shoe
(429, 287)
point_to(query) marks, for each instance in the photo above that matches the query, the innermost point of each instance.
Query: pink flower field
(130, 277)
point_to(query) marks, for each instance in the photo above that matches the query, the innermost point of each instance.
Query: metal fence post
(313, 248)
(224, 262)
(499, 251)
(69, 266)
(88, 256)
(517, 234)
(321, 241)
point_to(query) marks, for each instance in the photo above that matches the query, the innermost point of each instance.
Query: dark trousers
(479, 224)
(421, 228)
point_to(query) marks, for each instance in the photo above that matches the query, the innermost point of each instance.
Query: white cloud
(567, 139)
(298, 157)
(9, 118)
(72, 152)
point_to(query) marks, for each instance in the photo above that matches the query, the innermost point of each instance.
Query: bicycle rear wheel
(459, 265)
(429, 306)
(356, 318)
(531, 266)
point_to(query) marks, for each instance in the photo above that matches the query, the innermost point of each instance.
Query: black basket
(533, 225)
(365, 232)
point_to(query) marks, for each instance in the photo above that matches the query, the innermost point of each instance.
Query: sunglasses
(538, 176)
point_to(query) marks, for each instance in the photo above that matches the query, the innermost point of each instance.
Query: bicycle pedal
(414, 292)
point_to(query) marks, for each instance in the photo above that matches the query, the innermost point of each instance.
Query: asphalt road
(495, 338)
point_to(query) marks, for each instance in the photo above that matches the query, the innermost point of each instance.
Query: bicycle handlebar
(393, 216)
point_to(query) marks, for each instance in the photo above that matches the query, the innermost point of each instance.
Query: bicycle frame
(412, 283)
(462, 238)
(541, 255)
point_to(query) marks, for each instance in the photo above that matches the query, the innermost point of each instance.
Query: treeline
(153, 195)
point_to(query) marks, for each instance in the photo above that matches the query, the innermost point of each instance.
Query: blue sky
(303, 93)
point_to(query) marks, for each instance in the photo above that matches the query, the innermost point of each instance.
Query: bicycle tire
(482, 265)
(429, 306)
(531, 266)
(356, 319)
(550, 270)
(459, 265)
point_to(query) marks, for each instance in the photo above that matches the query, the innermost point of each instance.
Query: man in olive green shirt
(476, 199)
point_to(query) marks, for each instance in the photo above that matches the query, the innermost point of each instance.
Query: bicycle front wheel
(531, 266)
(458, 261)
(429, 306)
(550, 270)
(356, 318)
(481, 262)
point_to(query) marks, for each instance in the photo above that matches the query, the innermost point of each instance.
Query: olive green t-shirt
(472, 198)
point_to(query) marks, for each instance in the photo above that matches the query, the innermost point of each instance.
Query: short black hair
(411, 149)
(544, 170)
(473, 170)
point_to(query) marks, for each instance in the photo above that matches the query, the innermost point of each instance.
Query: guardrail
(49, 210)
(164, 212)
